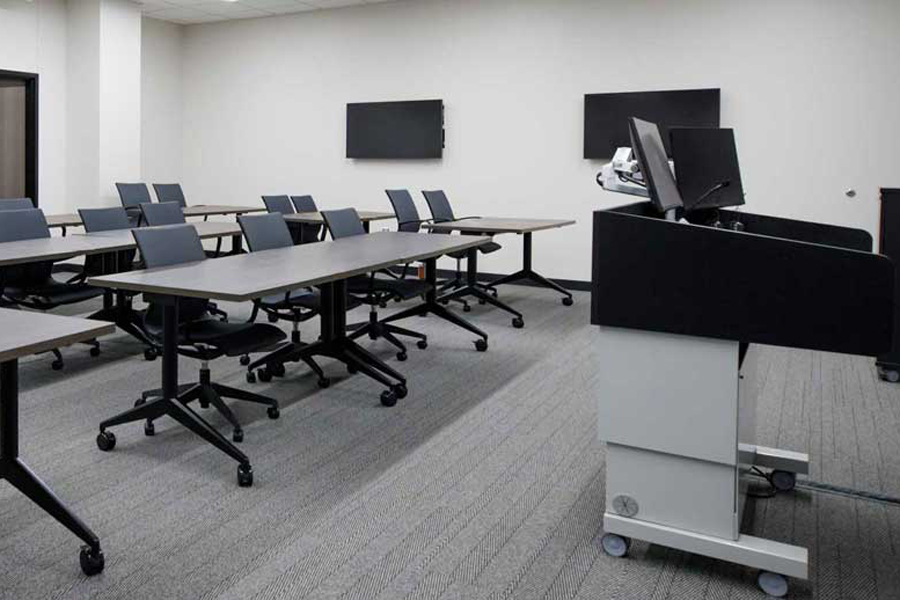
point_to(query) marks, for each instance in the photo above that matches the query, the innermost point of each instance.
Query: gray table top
(196, 210)
(66, 220)
(26, 333)
(247, 276)
(499, 225)
(58, 248)
(315, 218)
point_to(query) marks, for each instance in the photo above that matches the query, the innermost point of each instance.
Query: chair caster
(615, 545)
(567, 301)
(95, 351)
(401, 356)
(272, 318)
(149, 429)
(783, 481)
(444, 302)
(481, 345)
(772, 584)
(382, 305)
(482, 301)
(467, 308)
(265, 375)
(245, 475)
(277, 370)
(273, 412)
(422, 344)
(150, 354)
(106, 441)
(57, 365)
(400, 390)
(92, 561)
(251, 377)
(351, 369)
(245, 360)
(324, 382)
(389, 397)
(518, 322)
(237, 436)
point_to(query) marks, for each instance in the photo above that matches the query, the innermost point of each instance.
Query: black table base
(478, 291)
(17, 473)
(527, 273)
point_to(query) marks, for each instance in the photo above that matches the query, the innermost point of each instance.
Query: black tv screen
(412, 129)
(606, 116)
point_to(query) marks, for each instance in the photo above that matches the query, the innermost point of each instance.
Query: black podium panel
(889, 245)
(748, 286)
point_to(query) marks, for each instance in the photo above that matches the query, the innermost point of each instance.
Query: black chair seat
(489, 247)
(309, 300)
(401, 288)
(53, 293)
(228, 339)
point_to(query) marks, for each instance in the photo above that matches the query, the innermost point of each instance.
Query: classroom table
(497, 225)
(245, 277)
(26, 333)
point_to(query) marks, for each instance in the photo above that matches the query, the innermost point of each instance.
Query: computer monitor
(706, 167)
(651, 156)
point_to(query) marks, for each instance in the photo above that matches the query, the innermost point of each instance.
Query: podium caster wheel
(518, 322)
(388, 398)
(324, 382)
(401, 356)
(422, 344)
(245, 360)
(481, 345)
(57, 365)
(92, 561)
(772, 584)
(783, 481)
(467, 308)
(150, 354)
(106, 441)
(251, 377)
(273, 412)
(615, 545)
(149, 429)
(265, 375)
(245, 475)
(567, 301)
(95, 351)
(237, 436)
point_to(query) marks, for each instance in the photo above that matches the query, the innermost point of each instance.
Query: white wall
(162, 101)
(33, 39)
(809, 86)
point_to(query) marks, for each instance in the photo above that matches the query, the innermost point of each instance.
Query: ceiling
(208, 11)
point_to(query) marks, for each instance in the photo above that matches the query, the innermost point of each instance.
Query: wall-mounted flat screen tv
(413, 129)
(606, 116)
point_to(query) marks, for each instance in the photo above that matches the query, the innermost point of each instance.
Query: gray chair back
(266, 231)
(170, 192)
(279, 204)
(304, 203)
(310, 232)
(439, 206)
(27, 224)
(16, 204)
(103, 219)
(344, 222)
(405, 210)
(133, 195)
(162, 213)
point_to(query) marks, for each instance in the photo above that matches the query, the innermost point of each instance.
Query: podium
(680, 308)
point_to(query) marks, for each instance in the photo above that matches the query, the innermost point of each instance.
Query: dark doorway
(19, 135)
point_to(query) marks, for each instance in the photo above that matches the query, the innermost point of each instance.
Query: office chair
(267, 232)
(170, 192)
(31, 285)
(310, 232)
(373, 290)
(132, 195)
(200, 336)
(441, 211)
(126, 318)
(408, 220)
(283, 205)
(16, 204)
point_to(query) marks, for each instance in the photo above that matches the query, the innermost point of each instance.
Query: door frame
(31, 129)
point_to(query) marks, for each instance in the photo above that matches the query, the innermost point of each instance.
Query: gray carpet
(486, 482)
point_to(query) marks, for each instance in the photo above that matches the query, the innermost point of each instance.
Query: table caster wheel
(57, 365)
(149, 429)
(567, 301)
(245, 475)
(783, 481)
(273, 412)
(237, 436)
(518, 322)
(150, 354)
(615, 545)
(422, 344)
(92, 561)
(265, 375)
(388, 398)
(95, 351)
(245, 360)
(481, 345)
(251, 377)
(106, 441)
(277, 370)
(401, 356)
(324, 382)
(351, 369)
(772, 584)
